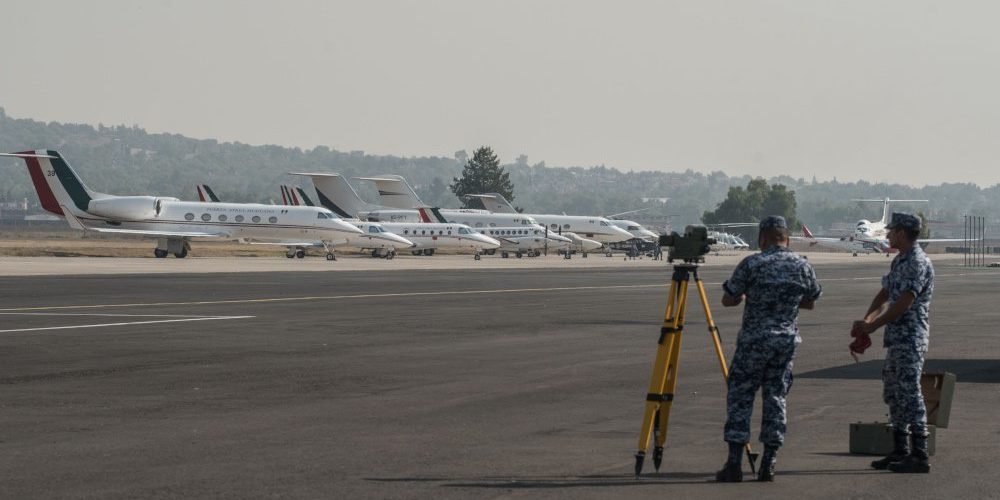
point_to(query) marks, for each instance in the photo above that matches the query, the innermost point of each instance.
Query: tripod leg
(717, 342)
(658, 378)
(670, 384)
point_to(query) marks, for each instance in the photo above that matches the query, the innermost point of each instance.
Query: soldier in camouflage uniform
(907, 290)
(776, 283)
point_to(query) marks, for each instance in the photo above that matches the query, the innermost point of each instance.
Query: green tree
(482, 174)
(755, 202)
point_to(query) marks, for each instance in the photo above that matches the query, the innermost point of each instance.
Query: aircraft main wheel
(416, 252)
(390, 255)
(300, 253)
(183, 253)
(584, 255)
(519, 255)
(331, 256)
(290, 255)
(504, 255)
(477, 257)
(428, 251)
(160, 253)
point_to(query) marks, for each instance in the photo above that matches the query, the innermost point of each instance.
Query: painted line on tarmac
(102, 325)
(113, 315)
(392, 295)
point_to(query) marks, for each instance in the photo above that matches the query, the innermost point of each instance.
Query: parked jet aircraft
(426, 236)
(374, 237)
(173, 223)
(596, 228)
(531, 239)
(868, 235)
(497, 203)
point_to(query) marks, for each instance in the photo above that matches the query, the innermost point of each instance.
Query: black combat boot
(901, 448)
(731, 472)
(917, 461)
(767, 463)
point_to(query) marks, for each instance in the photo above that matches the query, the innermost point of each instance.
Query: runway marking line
(175, 319)
(391, 295)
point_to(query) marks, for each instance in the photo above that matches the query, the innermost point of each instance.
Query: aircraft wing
(75, 223)
(944, 240)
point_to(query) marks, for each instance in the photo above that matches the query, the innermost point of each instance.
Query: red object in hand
(861, 342)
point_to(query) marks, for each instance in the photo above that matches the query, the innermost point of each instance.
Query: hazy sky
(900, 91)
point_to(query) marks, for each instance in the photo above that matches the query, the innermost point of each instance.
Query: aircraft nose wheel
(331, 256)
(477, 257)
(300, 253)
(160, 254)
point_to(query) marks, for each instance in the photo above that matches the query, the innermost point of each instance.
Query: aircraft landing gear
(290, 254)
(391, 254)
(491, 251)
(477, 256)
(183, 253)
(428, 251)
(331, 256)
(519, 255)
(300, 253)
(504, 255)
(160, 254)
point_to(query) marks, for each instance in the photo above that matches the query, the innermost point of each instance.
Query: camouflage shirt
(775, 281)
(910, 272)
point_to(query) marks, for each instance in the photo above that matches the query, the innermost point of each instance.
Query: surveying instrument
(690, 250)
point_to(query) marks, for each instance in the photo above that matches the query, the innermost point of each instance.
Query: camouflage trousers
(766, 364)
(901, 388)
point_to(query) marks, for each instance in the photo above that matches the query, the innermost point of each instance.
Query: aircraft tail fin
(336, 194)
(206, 194)
(807, 232)
(395, 192)
(495, 202)
(58, 185)
(885, 205)
(301, 194)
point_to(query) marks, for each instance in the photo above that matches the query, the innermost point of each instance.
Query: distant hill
(128, 160)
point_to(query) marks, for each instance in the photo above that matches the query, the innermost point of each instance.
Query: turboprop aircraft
(427, 237)
(402, 196)
(173, 223)
(868, 235)
(374, 237)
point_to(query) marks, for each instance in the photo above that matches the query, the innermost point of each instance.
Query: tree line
(128, 160)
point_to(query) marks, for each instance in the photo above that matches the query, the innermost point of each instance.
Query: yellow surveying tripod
(664, 379)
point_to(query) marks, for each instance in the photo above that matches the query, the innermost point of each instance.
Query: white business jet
(869, 236)
(335, 193)
(174, 223)
(374, 237)
(402, 196)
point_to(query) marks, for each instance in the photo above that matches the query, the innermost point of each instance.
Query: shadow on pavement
(592, 481)
(981, 371)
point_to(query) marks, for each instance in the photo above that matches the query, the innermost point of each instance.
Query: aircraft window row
(224, 218)
(508, 232)
(424, 232)
(603, 223)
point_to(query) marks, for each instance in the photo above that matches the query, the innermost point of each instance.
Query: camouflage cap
(903, 221)
(773, 222)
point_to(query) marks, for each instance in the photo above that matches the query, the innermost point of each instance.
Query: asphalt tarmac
(445, 383)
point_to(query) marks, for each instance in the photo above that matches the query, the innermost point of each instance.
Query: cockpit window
(463, 230)
(374, 229)
(633, 228)
(604, 223)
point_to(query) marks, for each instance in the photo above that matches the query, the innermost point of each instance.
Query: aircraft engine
(127, 207)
